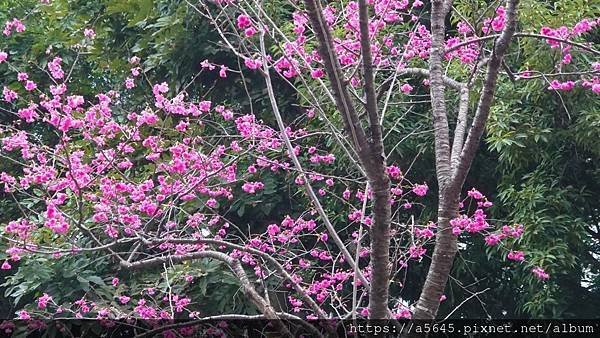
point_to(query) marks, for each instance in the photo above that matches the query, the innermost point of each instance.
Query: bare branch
(461, 125)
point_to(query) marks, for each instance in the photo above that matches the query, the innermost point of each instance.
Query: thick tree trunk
(445, 244)
(441, 261)
(451, 178)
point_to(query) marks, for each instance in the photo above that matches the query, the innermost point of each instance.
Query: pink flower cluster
(497, 23)
(540, 273)
(252, 187)
(244, 22)
(12, 26)
(55, 68)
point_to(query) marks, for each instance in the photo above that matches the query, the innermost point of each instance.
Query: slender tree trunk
(380, 244)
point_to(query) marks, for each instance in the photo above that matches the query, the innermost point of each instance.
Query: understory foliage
(147, 173)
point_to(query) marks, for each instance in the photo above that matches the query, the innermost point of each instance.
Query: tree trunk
(380, 245)
(441, 261)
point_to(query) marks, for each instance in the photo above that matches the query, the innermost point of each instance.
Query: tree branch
(374, 163)
(526, 35)
(311, 303)
(332, 67)
(369, 86)
(370, 154)
(486, 98)
(235, 267)
(461, 125)
(311, 194)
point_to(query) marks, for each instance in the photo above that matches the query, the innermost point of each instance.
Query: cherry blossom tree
(148, 183)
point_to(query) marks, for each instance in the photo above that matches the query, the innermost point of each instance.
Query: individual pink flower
(3, 56)
(6, 266)
(55, 68)
(406, 88)
(206, 64)
(115, 282)
(89, 33)
(22, 76)
(492, 239)
(567, 86)
(317, 73)
(253, 63)
(417, 4)
(13, 25)
(211, 203)
(43, 301)
(124, 299)
(243, 21)
(182, 126)
(394, 171)
(250, 31)
(9, 95)
(204, 106)
(24, 315)
(223, 72)
(30, 85)
(463, 28)
(129, 83)
(273, 230)
(499, 20)
(416, 251)
(19, 26)
(518, 256)
(252, 187)
(420, 189)
(474, 193)
(583, 26)
(540, 273)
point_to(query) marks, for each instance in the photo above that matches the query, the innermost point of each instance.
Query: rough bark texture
(380, 247)
(437, 91)
(441, 261)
